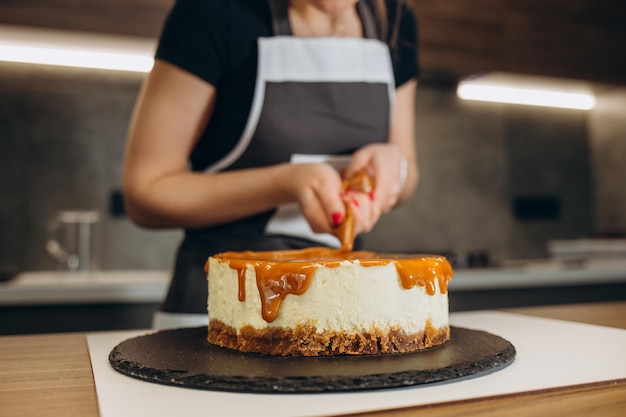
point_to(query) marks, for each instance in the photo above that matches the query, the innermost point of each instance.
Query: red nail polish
(337, 218)
(356, 202)
(372, 195)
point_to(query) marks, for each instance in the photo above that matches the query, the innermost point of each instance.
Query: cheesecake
(323, 302)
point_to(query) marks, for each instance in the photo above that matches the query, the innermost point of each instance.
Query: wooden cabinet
(583, 39)
(126, 17)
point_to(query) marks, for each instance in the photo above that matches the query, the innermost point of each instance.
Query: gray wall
(607, 127)
(475, 159)
(62, 137)
(62, 134)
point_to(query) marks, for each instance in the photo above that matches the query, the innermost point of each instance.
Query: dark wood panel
(578, 38)
(570, 38)
(128, 17)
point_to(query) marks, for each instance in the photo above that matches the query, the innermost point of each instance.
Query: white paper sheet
(550, 354)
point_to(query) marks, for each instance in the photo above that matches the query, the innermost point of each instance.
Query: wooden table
(50, 375)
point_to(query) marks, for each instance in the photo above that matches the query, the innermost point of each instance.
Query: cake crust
(306, 341)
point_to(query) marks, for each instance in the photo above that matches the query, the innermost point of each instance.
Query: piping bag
(359, 182)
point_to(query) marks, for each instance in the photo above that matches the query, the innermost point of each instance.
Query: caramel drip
(241, 276)
(345, 231)
(275, 279)
(424, 272)
(359, 182)
(279, 273)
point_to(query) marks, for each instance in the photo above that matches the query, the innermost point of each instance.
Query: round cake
(320, 302)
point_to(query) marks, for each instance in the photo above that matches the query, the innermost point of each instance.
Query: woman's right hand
(317, 188)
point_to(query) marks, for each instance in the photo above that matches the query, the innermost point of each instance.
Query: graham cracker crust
(305, 341)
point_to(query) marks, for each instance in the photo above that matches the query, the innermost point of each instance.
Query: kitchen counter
(50, 375)
(540, 273)
(59, 287)
(538, 282)
(57, 301)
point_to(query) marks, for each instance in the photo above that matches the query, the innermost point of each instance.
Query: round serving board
(184, 358)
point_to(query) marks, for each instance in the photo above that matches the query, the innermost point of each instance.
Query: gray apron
(313, 97)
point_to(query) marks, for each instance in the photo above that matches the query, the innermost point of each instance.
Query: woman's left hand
(386, 164)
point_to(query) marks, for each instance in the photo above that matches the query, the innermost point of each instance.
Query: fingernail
(336, 218)
(355, 202)
(371, 194)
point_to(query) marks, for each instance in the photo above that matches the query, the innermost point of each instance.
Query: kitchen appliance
(71, 239)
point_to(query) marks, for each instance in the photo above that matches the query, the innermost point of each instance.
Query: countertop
(541, 273)
(147, 286)
(50, 375)
(58, 287)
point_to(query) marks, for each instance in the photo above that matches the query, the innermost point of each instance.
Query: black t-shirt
(216, 40)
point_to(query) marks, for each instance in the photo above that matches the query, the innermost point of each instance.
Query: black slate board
(184, 358)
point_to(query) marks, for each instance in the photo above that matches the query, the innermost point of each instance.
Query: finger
(331, 204)
(361, 159)
(388, 188)
(313, 212)
(365, 213)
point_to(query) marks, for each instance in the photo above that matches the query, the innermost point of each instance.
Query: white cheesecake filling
(349, 297)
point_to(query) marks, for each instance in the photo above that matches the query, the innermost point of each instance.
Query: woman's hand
(387, 165)
(317, 189)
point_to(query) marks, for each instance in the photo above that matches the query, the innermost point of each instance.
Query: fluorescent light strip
(73, 58)
(81, 50)
(501, 91)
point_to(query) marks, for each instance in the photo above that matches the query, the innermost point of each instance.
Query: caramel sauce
(345, 231)
(362, 182)
(279, 273)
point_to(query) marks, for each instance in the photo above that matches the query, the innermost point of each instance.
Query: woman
(246, 97)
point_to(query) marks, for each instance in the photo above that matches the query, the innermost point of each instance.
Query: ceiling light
(76, 49)
(528, 90)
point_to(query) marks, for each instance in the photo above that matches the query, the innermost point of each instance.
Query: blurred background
(501, 185)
